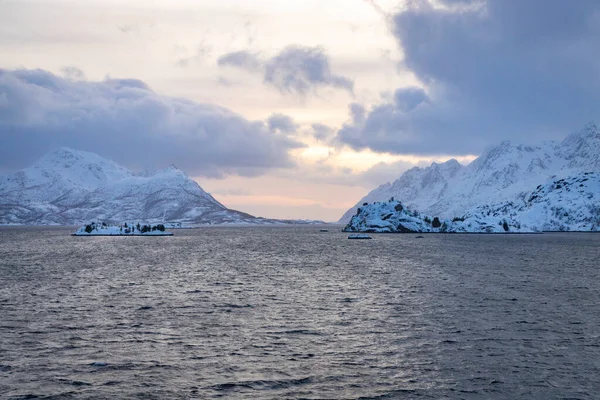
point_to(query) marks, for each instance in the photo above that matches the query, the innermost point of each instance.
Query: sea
(295, 313)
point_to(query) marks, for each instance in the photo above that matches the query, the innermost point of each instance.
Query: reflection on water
(297, 313)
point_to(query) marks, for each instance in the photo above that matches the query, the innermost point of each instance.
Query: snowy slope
(59, 172)
(566, 204)
(502, 173)
(72, 187)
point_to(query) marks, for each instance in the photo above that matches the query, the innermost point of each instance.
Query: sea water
(284, 312)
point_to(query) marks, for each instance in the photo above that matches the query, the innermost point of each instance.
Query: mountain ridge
(505, 172)
(563, 205)
(72, 187)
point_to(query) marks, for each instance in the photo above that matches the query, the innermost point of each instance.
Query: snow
(121, 230)
(72, 187)
(502, 174)
(358, 236)
(566, 204)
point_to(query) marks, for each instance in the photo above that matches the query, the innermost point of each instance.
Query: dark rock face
(402, 229)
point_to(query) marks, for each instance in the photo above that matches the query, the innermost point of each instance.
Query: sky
(292, 109)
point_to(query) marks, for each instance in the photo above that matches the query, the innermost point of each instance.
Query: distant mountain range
(552, 186)
(72, 187)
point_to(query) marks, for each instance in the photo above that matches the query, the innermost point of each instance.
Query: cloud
(241, 59)
(128, 28)
(281, 123)
(294, 70)
(357, 113)
(203, 51)
(385, 172)
(376, 7)
(232, 192)
(331, 174)
(123, 119)
(299, 70)
(127, 84)
(322, 132)
(408, 98)
(73, 73)
(495, 70)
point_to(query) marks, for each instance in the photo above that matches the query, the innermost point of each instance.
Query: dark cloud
(463, 3)
(281, 123)
(406, 99)
(123, 119)
(295, 70)
(519, 70)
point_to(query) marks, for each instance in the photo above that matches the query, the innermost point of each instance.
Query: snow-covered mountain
(72, 187)
(504, 173)
(566, 204)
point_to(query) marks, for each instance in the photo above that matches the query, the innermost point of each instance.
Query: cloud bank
(297, 70)
(123, 119)
(494, 70)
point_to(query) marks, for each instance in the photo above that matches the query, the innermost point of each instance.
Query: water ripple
(272, 313)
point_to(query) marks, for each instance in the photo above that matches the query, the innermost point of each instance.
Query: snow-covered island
(103, 229)
(559, 205)
(394, 217)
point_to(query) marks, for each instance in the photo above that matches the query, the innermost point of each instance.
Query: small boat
(359, 236)
(323, 230)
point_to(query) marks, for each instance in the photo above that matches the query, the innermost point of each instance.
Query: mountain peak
(67, 153)
(79, 168)
(501, 173)
(447, 168)
(66, 157)
(68, 186)
(171, 171)
(582, 148)
(451, 164)
(590, 128)
(590, 131)
(492, 154)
